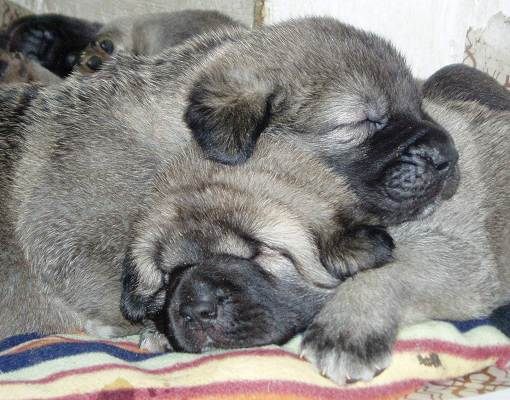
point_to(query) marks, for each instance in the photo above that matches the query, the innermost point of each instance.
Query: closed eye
(353, 133)
(379, 123)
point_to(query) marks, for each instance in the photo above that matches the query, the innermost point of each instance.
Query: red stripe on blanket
(467, 352)
(261, 390)
(177, 367)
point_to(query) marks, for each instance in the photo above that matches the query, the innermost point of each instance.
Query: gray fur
(97, 178)
(451, 265)
(78, 188)
(150, 34)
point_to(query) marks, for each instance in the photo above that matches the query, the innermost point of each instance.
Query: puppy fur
(79, 199)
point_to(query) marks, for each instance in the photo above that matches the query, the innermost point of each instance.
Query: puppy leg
(27, 305)
(434, 276)
(54, 41)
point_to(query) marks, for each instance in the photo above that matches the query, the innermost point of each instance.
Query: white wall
(430, 33)
(106, 10)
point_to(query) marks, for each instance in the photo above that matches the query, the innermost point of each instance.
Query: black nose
(203, 308)
(433, 147)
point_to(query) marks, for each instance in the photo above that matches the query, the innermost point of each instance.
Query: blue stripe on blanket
(465, 326)
(31, 357)
(12, 341)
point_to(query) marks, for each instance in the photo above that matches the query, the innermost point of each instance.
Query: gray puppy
(451, 265)
(82, 159)
(336, 92)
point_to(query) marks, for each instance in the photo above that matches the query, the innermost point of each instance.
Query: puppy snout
(433, 147)
(425, 165)
(201, 308)
(199, 311)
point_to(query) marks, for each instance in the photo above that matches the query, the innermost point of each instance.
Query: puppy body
(150, 34)
(119, 180)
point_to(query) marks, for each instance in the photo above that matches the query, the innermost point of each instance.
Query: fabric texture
(82, 367)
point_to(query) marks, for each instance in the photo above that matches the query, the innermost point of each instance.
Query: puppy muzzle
(423, 169)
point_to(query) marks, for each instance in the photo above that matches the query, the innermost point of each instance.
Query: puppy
(449, 265)
(343, 95)
(149, 34)
(92, 185)
(235, 253)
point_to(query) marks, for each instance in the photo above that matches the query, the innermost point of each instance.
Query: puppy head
(220, 300)
(342, 93)
(230, 302)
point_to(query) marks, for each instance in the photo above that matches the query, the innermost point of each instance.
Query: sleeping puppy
(449, 265)
(149, 34)
(78, 193)
(104, 172)
(235, 253)
(60, 43)
(347, 97)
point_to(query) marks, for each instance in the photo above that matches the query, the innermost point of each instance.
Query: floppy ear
(141, 296)
(148, 271)
(227, 112)
(132, 305)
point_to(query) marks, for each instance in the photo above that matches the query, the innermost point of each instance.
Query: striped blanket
(81, 367)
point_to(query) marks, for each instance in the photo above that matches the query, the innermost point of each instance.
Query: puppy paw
(346, 359)
(345, 253)
(33, 41)
(95, 55)
(98, 328)
(153, 341)
(351, 340)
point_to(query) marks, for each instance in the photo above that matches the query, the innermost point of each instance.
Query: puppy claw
(94, 63)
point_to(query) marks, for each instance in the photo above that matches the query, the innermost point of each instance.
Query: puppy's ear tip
(132, 307)
(227, 116)
(219, 153)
